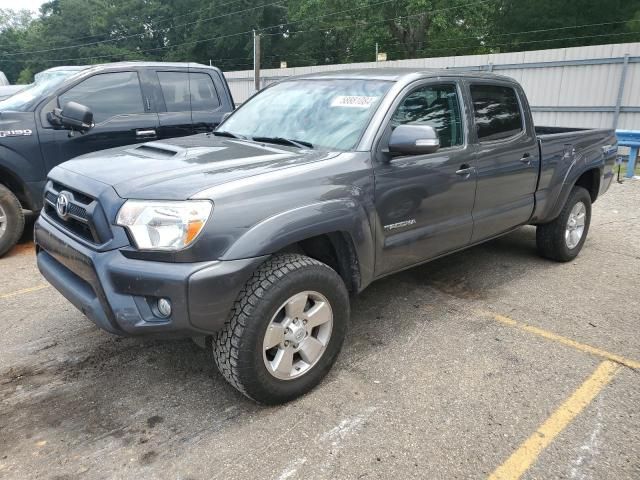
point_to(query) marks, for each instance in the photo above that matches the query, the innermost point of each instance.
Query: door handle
(146, 133)
(465, 170)
(526, 159)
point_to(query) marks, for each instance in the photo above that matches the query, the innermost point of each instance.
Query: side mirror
(414, 140)
(75, 116)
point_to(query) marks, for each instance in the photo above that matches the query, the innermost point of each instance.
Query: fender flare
(292, 226)
(10, 164)
(572, 176)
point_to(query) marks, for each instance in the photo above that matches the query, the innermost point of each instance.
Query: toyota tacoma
(253, 237)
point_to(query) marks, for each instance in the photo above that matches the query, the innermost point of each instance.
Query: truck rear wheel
(285, 331)
(11, 220)
(563, 238)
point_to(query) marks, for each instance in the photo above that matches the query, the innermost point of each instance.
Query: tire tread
(12, 204)
(227, 344)
(550, 236)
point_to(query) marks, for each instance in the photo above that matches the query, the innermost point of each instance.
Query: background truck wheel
(285, 331)
(11, 220)
(562, 239)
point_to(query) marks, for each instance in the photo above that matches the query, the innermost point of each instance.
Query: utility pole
(376, 52)
(256, 60)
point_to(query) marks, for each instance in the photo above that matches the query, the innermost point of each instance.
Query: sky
(33, 5)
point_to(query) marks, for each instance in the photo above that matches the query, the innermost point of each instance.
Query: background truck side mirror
(414, 140)
(75, 116)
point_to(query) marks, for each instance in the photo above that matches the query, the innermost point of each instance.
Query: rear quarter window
(497, 112)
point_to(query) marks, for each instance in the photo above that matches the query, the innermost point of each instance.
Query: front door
(507, 160)
(120, 115)
(424, 202)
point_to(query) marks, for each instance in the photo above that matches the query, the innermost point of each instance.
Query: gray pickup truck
(251, 238)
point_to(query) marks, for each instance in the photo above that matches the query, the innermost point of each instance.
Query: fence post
(623, 80)
(256, 61)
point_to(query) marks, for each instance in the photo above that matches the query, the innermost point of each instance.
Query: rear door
(206, 99)
(174, 100)
(122, 115)
(424, 202)
(507, 158)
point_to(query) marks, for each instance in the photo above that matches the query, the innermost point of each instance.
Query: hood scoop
(158, 150)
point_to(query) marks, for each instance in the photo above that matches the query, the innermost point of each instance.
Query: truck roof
(401, 74)
(134, 63)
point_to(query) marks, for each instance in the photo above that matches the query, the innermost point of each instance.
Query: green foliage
(300, 32)
(25, 77)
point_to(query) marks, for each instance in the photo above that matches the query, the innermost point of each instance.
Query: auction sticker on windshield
(355, 101)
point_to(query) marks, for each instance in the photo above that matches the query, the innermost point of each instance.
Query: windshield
(328, 114)
(63, 72)
(24, 100)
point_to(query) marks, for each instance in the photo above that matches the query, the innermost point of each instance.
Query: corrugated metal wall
(573, 87)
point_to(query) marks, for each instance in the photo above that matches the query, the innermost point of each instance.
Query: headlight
(159, 225)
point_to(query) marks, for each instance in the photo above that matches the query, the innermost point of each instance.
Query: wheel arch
(336, 232)
(10, 180)
(590, 180)
(335, 249)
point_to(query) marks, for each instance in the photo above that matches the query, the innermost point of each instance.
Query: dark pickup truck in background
(251, 238)
(131, 102)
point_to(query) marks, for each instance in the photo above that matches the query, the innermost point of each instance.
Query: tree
(302, 32)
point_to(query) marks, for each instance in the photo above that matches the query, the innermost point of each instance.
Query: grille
(77, 220)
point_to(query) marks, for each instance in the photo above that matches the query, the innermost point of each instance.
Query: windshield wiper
(283, 141)
(223, 133)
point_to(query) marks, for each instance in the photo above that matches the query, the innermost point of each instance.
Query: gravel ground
(429, 384)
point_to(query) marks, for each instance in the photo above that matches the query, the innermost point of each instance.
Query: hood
(8, 90)
(179, 168)
(15, 126)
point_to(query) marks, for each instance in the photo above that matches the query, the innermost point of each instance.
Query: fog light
(164, 307)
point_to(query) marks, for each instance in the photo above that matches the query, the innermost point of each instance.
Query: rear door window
(175, 89)
(107, 95)
(497, 112)
(203, 93)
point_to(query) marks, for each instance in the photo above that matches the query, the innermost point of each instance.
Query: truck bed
(565, 150)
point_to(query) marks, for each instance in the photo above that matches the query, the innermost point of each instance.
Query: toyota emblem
(62, 205)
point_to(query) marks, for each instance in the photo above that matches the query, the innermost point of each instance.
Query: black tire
(237, 349)
(550, 237)
(14, 218)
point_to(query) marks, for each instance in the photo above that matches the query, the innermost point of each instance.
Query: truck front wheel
(563, 238)
(285, 331)
(11, 220)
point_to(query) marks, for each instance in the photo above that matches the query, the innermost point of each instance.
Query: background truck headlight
(164, 225)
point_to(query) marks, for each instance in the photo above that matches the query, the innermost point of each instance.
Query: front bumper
(118, 293)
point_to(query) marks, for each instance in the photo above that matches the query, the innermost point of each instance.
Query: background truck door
(189, 103)
(424, 202)
(174, 111)
(121, 115)
(206, 99)
(507, 159)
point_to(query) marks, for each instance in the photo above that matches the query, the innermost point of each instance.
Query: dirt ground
(489, 361)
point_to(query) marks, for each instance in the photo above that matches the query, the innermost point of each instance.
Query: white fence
(595, 86)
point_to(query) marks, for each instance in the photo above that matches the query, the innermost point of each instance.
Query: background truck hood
(179, 168)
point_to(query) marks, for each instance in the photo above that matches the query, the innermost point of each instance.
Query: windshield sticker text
(15, 133)
(355, 101)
